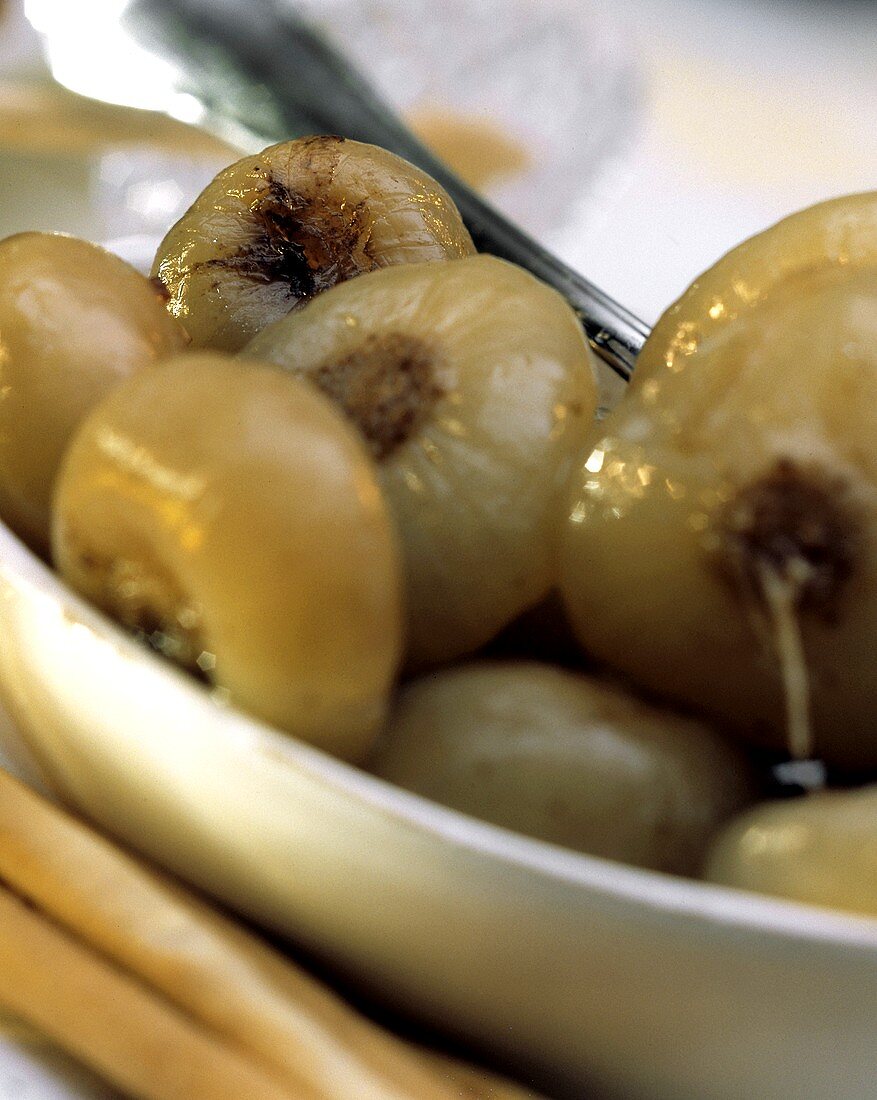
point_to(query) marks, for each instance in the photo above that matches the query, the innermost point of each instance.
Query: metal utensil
(257, 73)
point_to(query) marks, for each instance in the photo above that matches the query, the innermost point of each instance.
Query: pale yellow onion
(820, 849)
(228, 513)
(473, 384)
(720, 541)
(74, 322)
(568, 759)
(276, 228)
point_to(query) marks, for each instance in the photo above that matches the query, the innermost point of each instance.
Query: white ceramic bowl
(591, 977)
(588, 976)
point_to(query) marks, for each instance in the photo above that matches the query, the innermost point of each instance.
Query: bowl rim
(659, 894)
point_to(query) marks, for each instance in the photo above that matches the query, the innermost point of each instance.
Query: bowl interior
(554, 962)
(20, 567)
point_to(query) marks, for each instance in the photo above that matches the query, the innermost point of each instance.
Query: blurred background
(640, 140)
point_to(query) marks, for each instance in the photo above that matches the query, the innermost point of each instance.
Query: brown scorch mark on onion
(386, 386)
(789, 543)
(795, 520)
(303, 239)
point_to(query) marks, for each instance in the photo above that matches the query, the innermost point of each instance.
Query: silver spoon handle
(264, 68)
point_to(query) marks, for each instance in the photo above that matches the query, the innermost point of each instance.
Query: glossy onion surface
(820, 849)
(720, 542)
(74, 321)
(472, 383)
(227, 513)
(275, 229)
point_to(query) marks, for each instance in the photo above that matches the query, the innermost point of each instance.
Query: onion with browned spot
(275, 229)
(721, 542)
(229, 515)
(472, 384)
